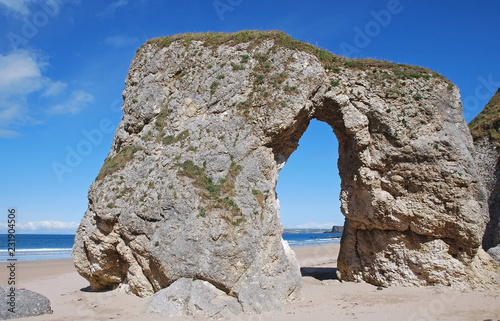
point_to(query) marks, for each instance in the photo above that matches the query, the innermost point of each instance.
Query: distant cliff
(336, 229)
(487, 123)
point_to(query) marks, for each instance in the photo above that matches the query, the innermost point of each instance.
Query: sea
(32, 247)
(309, 239)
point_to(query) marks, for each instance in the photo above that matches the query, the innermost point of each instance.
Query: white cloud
(110, 9)
(79, 100)
(12, 111)
(18, 6)
(44, 225)
(120, 41)
(20, 73)
(21, 8)
(7, 133)
(21, 76)
(55, 89)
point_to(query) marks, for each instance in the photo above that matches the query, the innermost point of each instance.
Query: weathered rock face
(488, 164)
(188, 189)
(191, 297)
(485, 129)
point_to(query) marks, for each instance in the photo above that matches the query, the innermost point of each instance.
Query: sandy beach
(323, 297)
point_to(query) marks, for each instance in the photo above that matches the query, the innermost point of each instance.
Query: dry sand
(323, 298)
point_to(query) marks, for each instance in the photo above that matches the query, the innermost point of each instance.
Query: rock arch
(188, 189)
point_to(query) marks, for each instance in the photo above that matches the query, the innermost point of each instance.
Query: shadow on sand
(320, 273)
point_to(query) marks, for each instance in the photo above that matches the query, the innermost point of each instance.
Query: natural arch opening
(308, 186)
(308, 191)
(351, 134)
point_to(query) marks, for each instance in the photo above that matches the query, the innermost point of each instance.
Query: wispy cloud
(111, 8)
(17, 6)
(44, 225)
(21, 8)
(7, 133)
(79, 100)
(12, 111)
(55, 89)
(21, 75)
(120, 41)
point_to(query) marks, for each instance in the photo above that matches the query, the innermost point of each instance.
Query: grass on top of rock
(487, 123)
(117, 162)
(255, 37)
(278, 79)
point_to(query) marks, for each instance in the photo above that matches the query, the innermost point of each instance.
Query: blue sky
(63, 64)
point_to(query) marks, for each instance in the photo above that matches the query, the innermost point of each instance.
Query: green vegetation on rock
(329, 60)
(213, 86)
(487, 123)
(217, 195)
(167, 140)
(117, 162)
(161, 118)
(259, 196)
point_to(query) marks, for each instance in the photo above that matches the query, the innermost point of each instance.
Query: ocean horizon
(34, 247)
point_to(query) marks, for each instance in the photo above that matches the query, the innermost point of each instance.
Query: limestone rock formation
(485, 129)
(188, 188)
(27, 304)
(191, 297)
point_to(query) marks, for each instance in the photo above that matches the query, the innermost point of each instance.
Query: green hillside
(487, 123)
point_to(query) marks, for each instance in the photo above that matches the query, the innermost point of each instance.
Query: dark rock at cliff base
(27, 303)
(494, 252)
